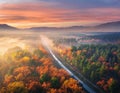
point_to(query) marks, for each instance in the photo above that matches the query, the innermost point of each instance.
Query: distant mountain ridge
(108, 25)
(57, 28)
(7, 27)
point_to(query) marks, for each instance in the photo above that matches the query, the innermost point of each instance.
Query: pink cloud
(48, 12)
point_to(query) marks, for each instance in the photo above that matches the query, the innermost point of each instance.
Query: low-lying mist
(32, 39)
(10, 39)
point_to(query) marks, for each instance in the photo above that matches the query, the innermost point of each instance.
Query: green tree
(74, 48)
(45, 77)
(55, 82)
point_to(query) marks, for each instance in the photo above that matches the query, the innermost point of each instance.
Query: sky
(58, 13)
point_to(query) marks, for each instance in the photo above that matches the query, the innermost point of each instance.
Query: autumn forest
(22, 71)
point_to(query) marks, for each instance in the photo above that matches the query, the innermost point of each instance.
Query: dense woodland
(111, 37)
(99, 63)
(87, 38)
(22, 71)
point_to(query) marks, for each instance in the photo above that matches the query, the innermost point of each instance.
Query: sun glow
(10, 43)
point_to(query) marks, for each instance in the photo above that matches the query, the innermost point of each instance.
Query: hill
(104, 26)
(110, 26)
(7, 27)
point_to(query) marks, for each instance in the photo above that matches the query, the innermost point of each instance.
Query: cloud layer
(52, 11)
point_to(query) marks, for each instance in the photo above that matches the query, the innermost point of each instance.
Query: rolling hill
(104, 26)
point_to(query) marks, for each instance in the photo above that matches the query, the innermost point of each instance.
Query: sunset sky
(58, 13)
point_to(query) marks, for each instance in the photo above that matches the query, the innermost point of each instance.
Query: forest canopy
(22, 71)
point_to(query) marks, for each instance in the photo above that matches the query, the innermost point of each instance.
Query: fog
(23, 39)
(32, 39)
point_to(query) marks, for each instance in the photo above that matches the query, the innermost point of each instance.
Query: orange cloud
(47, 13)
